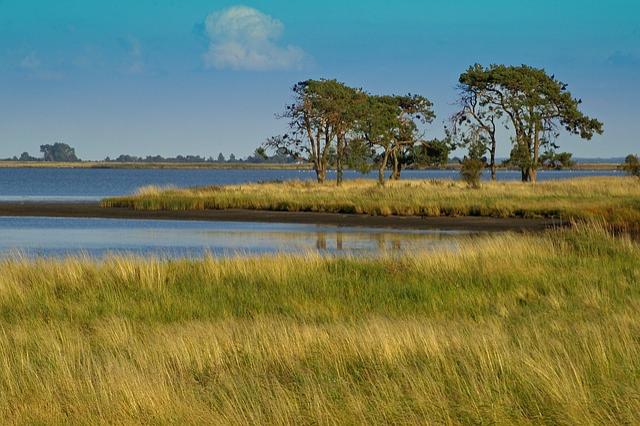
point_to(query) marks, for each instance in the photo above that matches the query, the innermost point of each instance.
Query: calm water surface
(35, 237)
(93, 184)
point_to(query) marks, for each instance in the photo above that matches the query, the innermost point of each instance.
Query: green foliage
(432, 153)
(520, 157)
(391, 126)
(58, 152)
(631, 165)
(557, 160)
(360, 156)
(536, 105)
(321, 116)
(26, 157)
(471, 171)
(327, 116)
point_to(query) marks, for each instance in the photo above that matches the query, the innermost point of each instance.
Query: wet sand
(93, 210)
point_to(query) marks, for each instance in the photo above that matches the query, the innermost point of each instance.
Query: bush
(471, 171)
(631, 165)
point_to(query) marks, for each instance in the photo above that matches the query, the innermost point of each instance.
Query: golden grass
(614, 199)
(545, 334)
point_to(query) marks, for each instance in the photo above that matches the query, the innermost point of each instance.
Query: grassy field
(614, 199)
(548, 334)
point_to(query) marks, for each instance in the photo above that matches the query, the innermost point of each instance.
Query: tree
(478, 111)
(537, 107)
(415, 110)
(324, 113)
(58, 152)
(311, 133)
(340, 107)
(260, 153)
(391, 124)
(221, 158)
(473, 164)
(556, 160)
(631, 165)
(379, 123)
(26, 157)
(432, 153)
(360, 156)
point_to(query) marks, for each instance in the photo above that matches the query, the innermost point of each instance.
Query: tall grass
(506, 329)
(616, 199)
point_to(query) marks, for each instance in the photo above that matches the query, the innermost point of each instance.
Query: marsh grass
(506, 329)
(614, 199)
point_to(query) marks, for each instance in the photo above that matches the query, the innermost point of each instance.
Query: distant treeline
(61, 152)
(259, 156)
(433, 153)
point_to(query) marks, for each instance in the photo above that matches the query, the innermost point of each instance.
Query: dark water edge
(53, 184)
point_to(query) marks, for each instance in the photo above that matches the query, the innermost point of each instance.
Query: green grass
(507, 329)
(614, 199)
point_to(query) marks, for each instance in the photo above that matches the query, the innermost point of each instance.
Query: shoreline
(11, 164)
(93, 210)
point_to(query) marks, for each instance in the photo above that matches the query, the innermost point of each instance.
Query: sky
(199, 77)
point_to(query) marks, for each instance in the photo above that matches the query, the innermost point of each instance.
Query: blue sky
(199, 77)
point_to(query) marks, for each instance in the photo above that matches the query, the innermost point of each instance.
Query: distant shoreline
(141, 165)
(6, 164)
(93, 210)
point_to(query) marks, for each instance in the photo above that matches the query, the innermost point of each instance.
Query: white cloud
(244, 38)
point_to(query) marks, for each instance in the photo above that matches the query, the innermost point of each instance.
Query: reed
(545, 334)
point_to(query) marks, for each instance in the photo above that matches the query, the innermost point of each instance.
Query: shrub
(631, 165)
(471, 171)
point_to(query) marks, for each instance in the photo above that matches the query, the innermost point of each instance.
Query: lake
(58, 237)
(34, 237)
(92, 184)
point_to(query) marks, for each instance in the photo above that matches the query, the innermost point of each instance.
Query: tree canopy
(58, 152)
(328, 116)
(536, 106)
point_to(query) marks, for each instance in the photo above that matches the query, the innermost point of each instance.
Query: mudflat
(94, 210)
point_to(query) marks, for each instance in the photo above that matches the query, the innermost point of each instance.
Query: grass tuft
(506, 329)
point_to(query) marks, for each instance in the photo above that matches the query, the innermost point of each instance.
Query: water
(92, 184)
(59, 237)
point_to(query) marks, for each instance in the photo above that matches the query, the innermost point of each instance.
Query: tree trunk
(382, 168)
(529, 174)
(493, 159)
(339, 160)
(397, 168)
(381, 175)
(536, 154)
(395, 174)
(321, 172)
